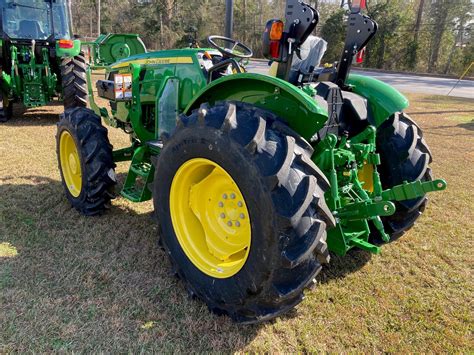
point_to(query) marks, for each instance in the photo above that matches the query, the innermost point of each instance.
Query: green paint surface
(384, 100)
(291, 104)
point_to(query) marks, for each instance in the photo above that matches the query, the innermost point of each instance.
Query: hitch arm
(410, 191)
(364, 210)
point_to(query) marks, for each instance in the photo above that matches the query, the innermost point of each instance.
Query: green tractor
(255, 179)
(39, 57)
(112, 47)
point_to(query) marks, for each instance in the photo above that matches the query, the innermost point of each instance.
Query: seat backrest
(312, 51)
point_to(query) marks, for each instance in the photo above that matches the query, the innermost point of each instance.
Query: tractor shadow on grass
(451, 131)
(468, 125)
(341, 266)
(104, 276)
(38, 116)
(109, 268)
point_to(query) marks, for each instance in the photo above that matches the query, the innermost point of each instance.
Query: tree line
(415, 35)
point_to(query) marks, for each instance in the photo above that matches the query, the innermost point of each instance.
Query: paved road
(406, 83)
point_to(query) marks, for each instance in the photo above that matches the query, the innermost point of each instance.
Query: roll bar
(360, 31)
(300, 21)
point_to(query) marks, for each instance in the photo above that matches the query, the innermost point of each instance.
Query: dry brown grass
(70, 283)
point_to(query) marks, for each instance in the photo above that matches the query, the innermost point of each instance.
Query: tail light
(272, 39)
(360, 56)
(66, 44)
(359, 4)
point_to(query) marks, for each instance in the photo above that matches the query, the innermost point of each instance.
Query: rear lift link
(38, 82)
(357, 196)
(353, 203)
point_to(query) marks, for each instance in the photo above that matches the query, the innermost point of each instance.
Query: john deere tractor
(255, 179)
(39, 57)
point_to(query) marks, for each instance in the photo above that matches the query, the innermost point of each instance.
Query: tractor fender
(69, 52)
(384, 100)
(299, 110)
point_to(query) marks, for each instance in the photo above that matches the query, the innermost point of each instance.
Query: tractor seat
(312, 51)
(308, 68)
(29, 29)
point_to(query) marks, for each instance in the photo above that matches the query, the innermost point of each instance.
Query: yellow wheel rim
(210, 218)
(366, 176)
(70, 163)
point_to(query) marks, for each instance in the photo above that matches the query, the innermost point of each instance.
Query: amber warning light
(272, 39)
(276, 31)
(66, 44)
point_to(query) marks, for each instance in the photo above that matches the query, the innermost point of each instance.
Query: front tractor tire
(74, 81)
(242, 211)
(405, 156)
(85, 161)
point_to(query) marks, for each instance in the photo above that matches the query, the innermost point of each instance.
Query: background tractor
(254, 178)
(39, 57)
(112, 47)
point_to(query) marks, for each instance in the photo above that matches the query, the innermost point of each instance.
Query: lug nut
(229, 224)
(224, 196)
(242, 216)
(221, 204)
(232, 196)
(237, 224)
(222, 215)
(240, 204)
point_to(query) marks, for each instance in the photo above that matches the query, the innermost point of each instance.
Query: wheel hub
(70, 163)
(210, 218)
(73, 164)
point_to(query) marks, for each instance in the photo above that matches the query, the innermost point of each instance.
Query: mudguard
(69, 52)
(298, 109)
(384, 100)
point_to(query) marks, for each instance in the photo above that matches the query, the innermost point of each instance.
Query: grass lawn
(70, 283)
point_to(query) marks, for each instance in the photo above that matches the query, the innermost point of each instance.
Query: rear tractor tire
(85, 161)
(405, 156)
(74, 81)
(242, 211)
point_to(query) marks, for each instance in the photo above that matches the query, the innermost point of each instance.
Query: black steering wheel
(230, 48)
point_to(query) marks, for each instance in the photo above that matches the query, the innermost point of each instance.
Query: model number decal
(171, 60)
